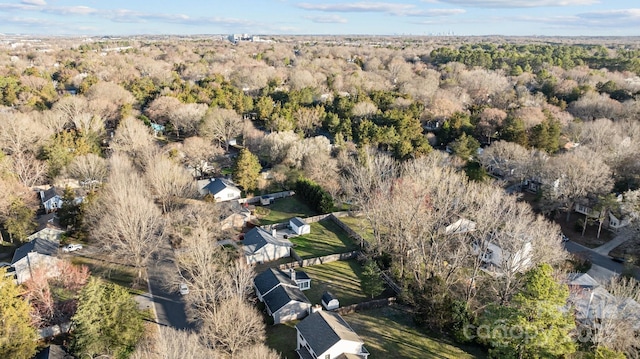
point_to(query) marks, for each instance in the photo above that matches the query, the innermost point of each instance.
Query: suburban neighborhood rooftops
(39, 245)
(282, 295)
(324, 329)
(257, 238)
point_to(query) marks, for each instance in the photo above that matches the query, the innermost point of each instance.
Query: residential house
(48, 228)
(52, 199)
(281, 294)
(261, 246)
(221, 189)
(460, 226)
(272, 278)
(499, 259)
(329, 301)
(31, 255)
(594, 305)
(233, 215)
(299, 226)
(326, 335)
(615, 223)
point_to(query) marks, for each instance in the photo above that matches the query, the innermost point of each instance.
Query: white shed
(329, 301)
(299, 226)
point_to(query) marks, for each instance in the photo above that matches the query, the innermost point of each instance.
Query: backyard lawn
(283, 209)
(282, 338)
(390, 333)
(360, 225)
(341, 278)
(325, 238)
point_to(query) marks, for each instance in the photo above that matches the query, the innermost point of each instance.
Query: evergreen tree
(371, 282)
(107, 321)
(20, 221)
(247, 170)
(17, 336)
(69, 212)
(533, 325)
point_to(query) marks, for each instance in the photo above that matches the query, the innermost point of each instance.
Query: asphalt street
(169, 304)
(599, 259)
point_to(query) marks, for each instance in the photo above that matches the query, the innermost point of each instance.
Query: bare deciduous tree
(90, 170)
(169, 181)
(124, 220)
(221, 125)
(134, 139)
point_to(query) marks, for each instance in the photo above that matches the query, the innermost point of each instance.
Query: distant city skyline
(288, 17)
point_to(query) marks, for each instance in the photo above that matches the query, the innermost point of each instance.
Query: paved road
(598, 259)
(169, 304)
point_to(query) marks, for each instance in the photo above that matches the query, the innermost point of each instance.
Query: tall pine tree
(17, 336)
(533, 324)
(247, 170)
(107, 321)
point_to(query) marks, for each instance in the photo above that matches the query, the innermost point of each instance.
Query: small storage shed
(299, 226)
(329, 301)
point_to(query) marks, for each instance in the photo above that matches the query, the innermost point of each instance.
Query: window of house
(229, 195)
(328, 356)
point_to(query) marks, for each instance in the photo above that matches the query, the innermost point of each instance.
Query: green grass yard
(360, 226)
(390, 333)
(283, 209)
(282, 338)
(325, 238)
(341, 278)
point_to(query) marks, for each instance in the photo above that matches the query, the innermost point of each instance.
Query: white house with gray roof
(221, 189)
(282, 294)
(299, 226)
(34, 254)
(326, 335)
(261, 246)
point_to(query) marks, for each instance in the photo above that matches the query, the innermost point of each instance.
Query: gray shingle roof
(270, 279)
(50, 193)
(257, 238)
(323, 329)
(218, 185)
(282, 295)
(299, 222)
(38, 245)
(327, 297)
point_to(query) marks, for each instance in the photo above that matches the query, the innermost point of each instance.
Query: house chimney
(292, 274)
(273, 232)
(315, 308)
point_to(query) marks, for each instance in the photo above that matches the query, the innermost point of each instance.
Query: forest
(412, 134)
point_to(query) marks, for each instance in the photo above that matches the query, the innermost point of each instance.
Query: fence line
(318, 260)
(378, 303)
(273, 195)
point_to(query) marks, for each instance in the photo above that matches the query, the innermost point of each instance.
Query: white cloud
(34, 2)
(517, 3)
(381, 7)
(392, 8)
(328, 19)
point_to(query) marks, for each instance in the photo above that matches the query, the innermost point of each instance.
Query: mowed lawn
(283, 209)
(341, 278)
(390, 333)
(325, 238)
(359, 225)
(282, 338)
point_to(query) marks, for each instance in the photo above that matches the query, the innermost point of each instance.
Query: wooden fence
(273, 195)
(318, 260)
(378, 303)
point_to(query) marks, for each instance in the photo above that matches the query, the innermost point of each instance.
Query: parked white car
(71, 248)
(184, 290)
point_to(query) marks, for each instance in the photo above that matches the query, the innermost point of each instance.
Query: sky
(331, 17)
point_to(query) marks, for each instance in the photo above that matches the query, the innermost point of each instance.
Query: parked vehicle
(71, 247)
(184, 289)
